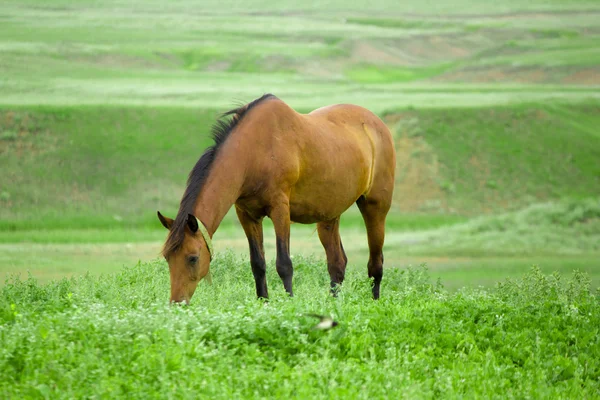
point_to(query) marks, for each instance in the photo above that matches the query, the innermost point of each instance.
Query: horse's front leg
(254, 232)
(280, 215)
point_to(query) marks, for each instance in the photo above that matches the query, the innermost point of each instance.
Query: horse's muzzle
(180, 302)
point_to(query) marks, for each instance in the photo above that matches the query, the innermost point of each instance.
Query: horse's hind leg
(374, 213)
(329, 234)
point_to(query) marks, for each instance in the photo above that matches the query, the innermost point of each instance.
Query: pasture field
(81, 186)
(377, 54)
(555, 236)
(114, 336)
(494, 106)
(101, 103)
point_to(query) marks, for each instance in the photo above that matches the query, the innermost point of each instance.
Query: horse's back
(349, 119)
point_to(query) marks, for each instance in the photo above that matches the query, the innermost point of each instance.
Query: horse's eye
(193, 260)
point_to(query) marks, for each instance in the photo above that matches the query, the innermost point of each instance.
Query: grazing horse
(269, 160)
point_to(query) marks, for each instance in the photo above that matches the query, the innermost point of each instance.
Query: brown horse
(271, 161)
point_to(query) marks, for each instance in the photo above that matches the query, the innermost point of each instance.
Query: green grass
(488, 159)
(81, 167)
(51, 232)
(556, 237)
(46, 262)
(64, 53)
(400, 23)
(379, 74)
(569, 227)
(115, 336)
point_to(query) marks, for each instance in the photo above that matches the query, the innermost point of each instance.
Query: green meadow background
(106, 106)
(492, 255)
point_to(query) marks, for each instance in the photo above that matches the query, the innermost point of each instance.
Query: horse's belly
(307, 214)
(321, 202)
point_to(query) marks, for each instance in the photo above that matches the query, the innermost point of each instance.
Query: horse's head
(188, 251)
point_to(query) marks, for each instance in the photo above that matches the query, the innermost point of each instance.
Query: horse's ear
(167, 222)
(192, 223)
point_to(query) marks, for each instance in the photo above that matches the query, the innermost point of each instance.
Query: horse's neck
(221, 190)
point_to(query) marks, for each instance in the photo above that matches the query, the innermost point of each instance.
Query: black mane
(220, 132)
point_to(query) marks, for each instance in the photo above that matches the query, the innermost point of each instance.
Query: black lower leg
(337, 272)
(285, 268)
(374, 212)
(259, 269)
(336, 257)
(337, 278)
(375, 268)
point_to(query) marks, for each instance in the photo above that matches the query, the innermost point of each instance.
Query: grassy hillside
(473, 161)
(96, 166)
(78, 150)
(554, 228)
(108, 166)
(204, 54)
